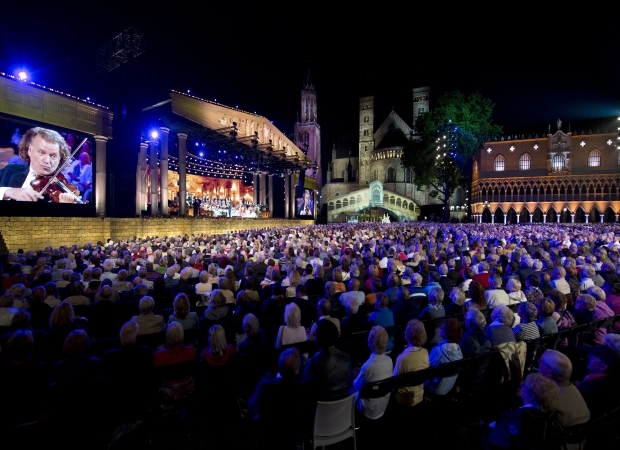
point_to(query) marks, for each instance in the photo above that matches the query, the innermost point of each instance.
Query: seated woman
(546, 323)
(475, 340)
(224, 289)
(413, 358)
(121, 284)
(563, 318)
(213, 278)
(515, 294)
(500, 329)
(217, 313)
(203, 286)
(532, 425)
(457, 300)
(188, 319)
(292, 332)
(434, 310)
(378, 367)
(218, 352)
(446, 351)
(382, 316)
(175, 353)
(62, 322)
(249, 284)
(477, 298)
(527, 329)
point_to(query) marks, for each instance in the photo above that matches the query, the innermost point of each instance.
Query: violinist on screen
(44, 150)
(305, 205)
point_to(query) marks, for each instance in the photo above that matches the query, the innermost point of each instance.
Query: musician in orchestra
(44, 151)
(305, 206)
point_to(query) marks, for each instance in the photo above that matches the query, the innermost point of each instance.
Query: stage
(34, 233)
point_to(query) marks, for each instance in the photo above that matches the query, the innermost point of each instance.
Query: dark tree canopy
(461, 122)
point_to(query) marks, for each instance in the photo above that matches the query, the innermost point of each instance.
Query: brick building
(559, 177)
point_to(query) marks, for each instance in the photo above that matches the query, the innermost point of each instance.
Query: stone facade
(560, 177)
(33, 233)
(308, 132)
(378, 159)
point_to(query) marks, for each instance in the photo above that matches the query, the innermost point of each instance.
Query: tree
(447, 138)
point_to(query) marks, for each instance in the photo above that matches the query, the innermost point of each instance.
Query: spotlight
(201, 154)
(22, 75)
(154, 134)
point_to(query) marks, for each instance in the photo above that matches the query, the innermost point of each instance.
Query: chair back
(334, 421)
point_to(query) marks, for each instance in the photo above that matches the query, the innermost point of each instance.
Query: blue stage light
(154, 134)
(22, 75)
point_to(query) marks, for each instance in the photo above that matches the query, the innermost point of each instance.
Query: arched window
(558, 163)
(405, 204)
(376, 196)
(524, 162)
(499, 163)
(338, 204)
(398, 203)
(386, 198)
(358, 199)
(391, 175)
(392, 200)
(345, 203)
(352, 201)
(331, 206)
(594, 158)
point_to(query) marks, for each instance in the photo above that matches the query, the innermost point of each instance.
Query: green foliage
(471, 113)
(469, 119)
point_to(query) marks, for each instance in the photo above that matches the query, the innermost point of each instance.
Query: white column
(154, 178)
(572, 218)
(286, 194)
(601, 217)
(531, 218)
(493, 218)
(544, 218)
(587, 218)
(557, 217)
(263, 189)
(100, 175)
(505, 218)
(182, 173)
(270, 196)
(141, 179)
(164, 170)
(292, 196)
(518, 217)
(255, 189)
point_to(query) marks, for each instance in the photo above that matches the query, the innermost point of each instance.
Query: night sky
(536, 65)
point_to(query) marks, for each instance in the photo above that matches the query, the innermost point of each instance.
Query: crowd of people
(277, 309)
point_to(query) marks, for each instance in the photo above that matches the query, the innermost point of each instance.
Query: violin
(54, 185)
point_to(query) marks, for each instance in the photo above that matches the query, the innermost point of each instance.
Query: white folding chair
(334, 422)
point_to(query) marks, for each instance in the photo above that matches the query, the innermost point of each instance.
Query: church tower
(308, 132)
(421, 102)
(366, 138)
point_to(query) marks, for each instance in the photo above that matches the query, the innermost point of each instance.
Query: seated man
(571, 408)
(354, 292)
(355, 319)
(148, 322)
(601, 388)
(277, 403)
(328, 374)
(496, 295)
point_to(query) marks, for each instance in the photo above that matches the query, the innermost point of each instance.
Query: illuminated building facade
(560, 177)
